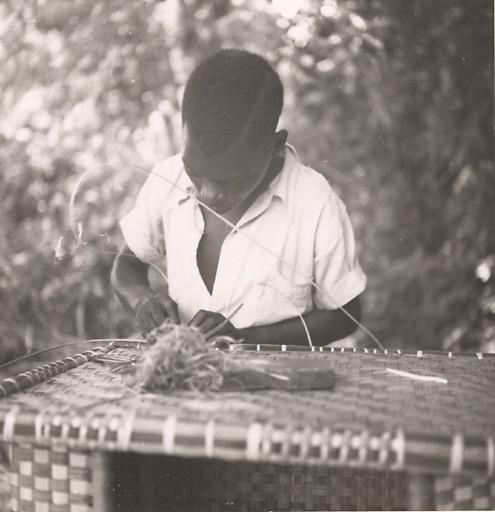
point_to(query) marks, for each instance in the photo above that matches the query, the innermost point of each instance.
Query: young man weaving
(252, 282)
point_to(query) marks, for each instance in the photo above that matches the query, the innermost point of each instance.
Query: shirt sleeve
(142, 227)
(336, 268)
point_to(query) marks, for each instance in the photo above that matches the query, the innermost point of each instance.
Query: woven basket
(275, 448)
(205, 484)
(45, 479)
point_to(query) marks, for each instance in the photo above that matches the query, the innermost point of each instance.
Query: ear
(280, 140)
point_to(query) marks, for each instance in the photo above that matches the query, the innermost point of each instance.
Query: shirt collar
(279, 186)
(183, 187)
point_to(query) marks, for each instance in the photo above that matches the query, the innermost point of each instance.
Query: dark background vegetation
(392, 100)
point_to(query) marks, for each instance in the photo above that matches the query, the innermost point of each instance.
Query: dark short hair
(231, 91)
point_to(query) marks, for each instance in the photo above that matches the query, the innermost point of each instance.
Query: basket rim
(264, 440)
(260, 347)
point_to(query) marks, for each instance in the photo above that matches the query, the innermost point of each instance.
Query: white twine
(414, 376)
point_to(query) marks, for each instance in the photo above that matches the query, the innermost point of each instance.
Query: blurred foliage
(391, 100)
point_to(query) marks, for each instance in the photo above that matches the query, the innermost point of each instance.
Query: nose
(211, 196)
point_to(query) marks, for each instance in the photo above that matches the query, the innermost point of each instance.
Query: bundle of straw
(180, 358)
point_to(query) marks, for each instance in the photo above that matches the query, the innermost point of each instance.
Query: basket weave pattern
(50, 479)
(372, 420)
(462, 493)
(271, 487)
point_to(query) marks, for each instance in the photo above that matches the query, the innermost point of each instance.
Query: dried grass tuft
(179, 359)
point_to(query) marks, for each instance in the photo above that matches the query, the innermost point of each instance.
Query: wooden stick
(221, 325)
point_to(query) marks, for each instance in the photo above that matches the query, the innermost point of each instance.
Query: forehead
(239, 158)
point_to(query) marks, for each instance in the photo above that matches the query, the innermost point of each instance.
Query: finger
(143, 322)
(144, 316)
(158, 313)
(138, 324)
(199, 318)
(220, 344)
(212, 323)
(172, 311)
(220, 329)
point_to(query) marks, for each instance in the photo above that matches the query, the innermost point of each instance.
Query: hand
(152, 311)
(212, 324)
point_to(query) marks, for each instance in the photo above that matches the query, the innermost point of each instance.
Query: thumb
(172, 311)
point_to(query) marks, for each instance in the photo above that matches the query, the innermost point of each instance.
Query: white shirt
(299, 218)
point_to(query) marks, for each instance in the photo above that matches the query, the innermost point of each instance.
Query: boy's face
(225, 181)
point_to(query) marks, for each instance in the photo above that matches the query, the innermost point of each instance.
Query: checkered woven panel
(46, 479)
(461, 493)
(271, 487)
(219, 486)
(49, 479)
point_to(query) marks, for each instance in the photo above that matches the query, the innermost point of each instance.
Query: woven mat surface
(369, 407)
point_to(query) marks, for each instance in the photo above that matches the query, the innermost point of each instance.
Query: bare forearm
(324, 327)
(131, 285)
(129, 278)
